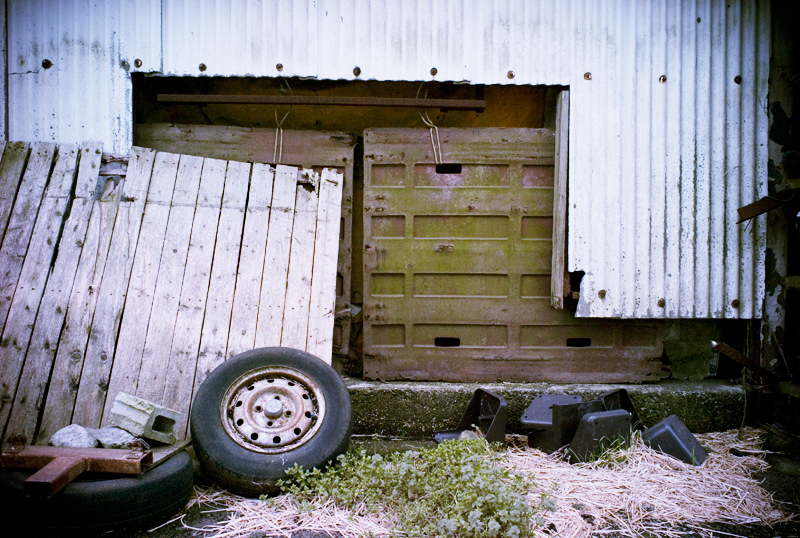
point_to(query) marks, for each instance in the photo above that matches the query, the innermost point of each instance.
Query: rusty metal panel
(457, 267)
(68, 68)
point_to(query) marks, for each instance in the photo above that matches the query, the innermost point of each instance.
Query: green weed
(453, 490)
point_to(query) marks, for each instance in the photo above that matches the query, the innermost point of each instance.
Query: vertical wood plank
(251, 265)
(116, 372)
(559, 278)
(301, 263)
(214, 338)
(273, 290)
(33, 275)
(21, 221)
(323, 282)
(12, 167)
(39, 361)
(85, 298)
(179, 387)
(151, 378)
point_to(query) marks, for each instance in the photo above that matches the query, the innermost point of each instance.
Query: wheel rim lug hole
(258, 409)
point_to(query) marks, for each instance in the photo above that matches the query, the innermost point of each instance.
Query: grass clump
(453, 490)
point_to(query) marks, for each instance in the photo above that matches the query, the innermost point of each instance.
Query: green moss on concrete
(420, 409)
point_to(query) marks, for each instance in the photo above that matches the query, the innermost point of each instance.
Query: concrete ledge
(417, 409)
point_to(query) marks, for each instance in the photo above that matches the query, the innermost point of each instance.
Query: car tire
(94, 506)
(265, 410)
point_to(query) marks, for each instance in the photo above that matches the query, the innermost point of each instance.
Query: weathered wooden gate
(145, 283)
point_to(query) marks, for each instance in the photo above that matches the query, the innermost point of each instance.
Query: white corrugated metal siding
(92, 45)
(658, 166)
(657, 169)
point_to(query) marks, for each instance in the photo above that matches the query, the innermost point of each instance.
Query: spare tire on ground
(95, 505)
(265, 410)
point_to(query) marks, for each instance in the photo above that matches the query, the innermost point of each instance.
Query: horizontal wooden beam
(477, 105)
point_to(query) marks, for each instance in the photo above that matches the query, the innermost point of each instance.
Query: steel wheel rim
(272, 409)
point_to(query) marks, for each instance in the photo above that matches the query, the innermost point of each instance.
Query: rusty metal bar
(765, 204)
(59, 466)
(477, 105)
(747, 362)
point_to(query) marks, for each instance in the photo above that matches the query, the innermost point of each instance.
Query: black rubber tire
(248, 472)
(89, 507)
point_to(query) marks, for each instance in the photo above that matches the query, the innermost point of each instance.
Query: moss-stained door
(457, 261)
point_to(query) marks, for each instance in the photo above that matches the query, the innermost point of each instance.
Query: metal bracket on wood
(58, 466)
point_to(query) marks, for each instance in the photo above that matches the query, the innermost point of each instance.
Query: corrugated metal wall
(665, 141)
(85, 93)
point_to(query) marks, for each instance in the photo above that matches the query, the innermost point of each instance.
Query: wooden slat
(323, 284)
(214, 339)
(301, 264)
(39, 361)
(111, 289)
(251, 264)
(15, 156)
(85, 295)
(305, 148)
(33, 276)
(137, 304)
(151, 378)
(273, 291)
(194, 290)
(21, 221)
(559, 280)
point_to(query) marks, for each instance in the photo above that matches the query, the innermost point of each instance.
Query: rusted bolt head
(125, 65)
(202, 67)
(47, 64)
(662, 303)
(434, 71)
(735, 303)
(737, 79)
(279, 67)
(662, 79)
(137, 62)
(601, 294)
(357, 71)
(510, 74)
(587, 76)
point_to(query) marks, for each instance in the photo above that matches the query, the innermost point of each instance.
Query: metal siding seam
(702, 155)
(673, 111)
(627, 130)
(733, 164)
(717, 169)
(688, 166)
(645, 157)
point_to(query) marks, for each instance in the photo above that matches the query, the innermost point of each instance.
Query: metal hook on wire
(277, 153)
(426, 119)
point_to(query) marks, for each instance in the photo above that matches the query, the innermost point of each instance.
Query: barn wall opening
(507, 106)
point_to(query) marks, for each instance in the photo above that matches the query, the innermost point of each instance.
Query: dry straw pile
(625, 493)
